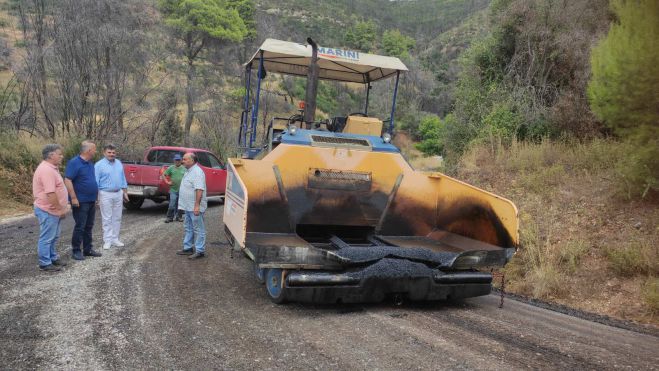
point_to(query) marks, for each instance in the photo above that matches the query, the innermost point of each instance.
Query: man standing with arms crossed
(192, 200)
(173, 176)
(50, 206)
(81, 184)
(112, 190)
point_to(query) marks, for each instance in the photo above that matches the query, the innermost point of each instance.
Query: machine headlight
(469, 260)
(292, 129)
(386, 137)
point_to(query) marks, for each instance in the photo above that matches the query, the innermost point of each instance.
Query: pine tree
(396, 44)
(170, 132)
(624, 88)
(196, 24)
(362, 36)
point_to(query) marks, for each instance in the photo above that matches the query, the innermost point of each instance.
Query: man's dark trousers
(82, 233)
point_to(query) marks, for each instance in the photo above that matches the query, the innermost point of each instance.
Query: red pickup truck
(144, 178)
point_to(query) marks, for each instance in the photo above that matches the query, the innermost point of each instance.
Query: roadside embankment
(585, 243)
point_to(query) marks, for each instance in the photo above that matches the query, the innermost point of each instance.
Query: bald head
(87, 150)
(189, 159)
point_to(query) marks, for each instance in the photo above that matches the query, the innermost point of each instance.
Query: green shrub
(396, 44)
(501, 123)
(15, 154)
(235, 96)
(18, 159)
(431, 131)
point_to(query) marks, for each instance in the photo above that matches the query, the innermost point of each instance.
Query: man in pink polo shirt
(50, 206)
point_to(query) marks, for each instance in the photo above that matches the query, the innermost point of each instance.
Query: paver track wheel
(274, 284)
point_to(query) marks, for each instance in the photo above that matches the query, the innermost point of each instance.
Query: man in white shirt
(112, 190)
(192, 200)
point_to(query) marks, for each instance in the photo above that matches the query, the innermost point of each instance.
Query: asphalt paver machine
(330, 211)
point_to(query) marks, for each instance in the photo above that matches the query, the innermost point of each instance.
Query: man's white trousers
(111, 207)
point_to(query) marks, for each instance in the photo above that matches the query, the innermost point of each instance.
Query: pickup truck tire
(133, 203)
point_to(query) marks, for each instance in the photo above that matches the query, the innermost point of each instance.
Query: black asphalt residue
(373, 253)
(393, 268)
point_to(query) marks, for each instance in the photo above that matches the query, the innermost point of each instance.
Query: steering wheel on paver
(295, 118)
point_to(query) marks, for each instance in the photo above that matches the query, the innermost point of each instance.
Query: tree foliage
(624, 89)
(362, 36)
(432, 130)
(82, 58)
(247, 12)
(203, 20)
(396, 44)
(197, 24)
(525, 79)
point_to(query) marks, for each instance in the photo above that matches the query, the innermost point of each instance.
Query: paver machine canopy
(330, 211)
(334, 64)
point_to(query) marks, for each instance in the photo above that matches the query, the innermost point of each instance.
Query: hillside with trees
(552, 104)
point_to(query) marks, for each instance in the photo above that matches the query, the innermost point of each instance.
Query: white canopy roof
(335, 64)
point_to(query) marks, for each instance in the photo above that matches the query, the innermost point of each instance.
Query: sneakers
(49, 268)
(92, 253)
(118, 243)
(169, 220)
(197, 255)
(179, 219)
(77, 255)
(185, 252)
(107, 246)
(58, 263)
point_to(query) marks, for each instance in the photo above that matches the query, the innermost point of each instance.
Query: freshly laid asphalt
(142, 306)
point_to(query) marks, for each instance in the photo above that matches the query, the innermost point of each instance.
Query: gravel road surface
(142, 306)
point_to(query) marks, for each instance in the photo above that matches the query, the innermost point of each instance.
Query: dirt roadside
(142, 306)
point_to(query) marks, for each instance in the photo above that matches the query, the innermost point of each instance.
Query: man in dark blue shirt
(80, 181)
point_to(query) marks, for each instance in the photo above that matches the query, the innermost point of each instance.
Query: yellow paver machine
(330, 211)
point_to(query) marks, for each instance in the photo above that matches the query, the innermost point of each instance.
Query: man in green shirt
(173, 176)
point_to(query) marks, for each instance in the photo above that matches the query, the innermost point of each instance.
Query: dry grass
(651, 295)
(19, 155)
(10, 208)
(539, 267)
(635, 258)
(416, 158)
(583, 242)
(430, 163)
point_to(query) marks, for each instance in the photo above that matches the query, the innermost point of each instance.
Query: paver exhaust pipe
(312, 85)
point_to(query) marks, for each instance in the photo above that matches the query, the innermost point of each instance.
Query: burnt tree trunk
(189, 99)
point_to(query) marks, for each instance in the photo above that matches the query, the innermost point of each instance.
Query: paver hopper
(332, 212)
